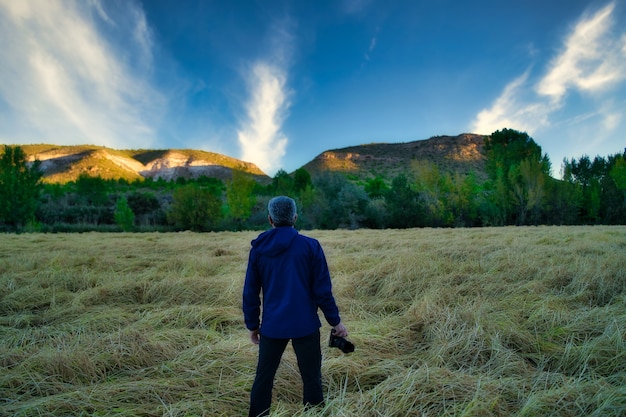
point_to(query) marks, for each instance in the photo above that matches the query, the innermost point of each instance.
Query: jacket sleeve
(251, 295)
(322, 287)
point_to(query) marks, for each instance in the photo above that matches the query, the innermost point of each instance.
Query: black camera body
(340, 343)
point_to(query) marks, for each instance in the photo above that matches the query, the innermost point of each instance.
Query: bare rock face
(67, 163)
(176, 164)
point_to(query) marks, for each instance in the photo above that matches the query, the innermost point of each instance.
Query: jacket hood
(274, 241)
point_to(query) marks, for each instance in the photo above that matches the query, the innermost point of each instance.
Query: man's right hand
(254, 336)
(341, 330)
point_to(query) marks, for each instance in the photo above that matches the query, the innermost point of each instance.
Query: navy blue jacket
(290, 270)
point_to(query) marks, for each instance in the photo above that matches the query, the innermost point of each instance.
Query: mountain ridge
(463, 153)
(61, 163)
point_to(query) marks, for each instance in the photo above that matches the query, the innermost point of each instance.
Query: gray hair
(282, 210)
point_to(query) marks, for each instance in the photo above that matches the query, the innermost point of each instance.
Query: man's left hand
(341, 330)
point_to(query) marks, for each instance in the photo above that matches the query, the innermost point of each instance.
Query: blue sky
(278, 82)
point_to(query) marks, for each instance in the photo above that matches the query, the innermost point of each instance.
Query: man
(291, 271)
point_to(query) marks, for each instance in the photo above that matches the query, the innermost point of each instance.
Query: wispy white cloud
(512, 110)
(142, 36)
(354, 6)
(372, 46)
(260, 137)
(63, 81)
(592, 60)
(97, 5)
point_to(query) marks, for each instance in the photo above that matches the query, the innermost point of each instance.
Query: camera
(340, 343)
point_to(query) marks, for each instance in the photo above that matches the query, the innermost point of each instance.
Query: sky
(278, 82)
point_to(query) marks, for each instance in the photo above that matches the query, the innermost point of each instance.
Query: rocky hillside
(66, 163)
(462, 153)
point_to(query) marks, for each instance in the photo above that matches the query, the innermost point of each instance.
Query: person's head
(282, 211)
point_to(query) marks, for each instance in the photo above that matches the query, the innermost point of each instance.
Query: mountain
(463, 153)
(61, 164)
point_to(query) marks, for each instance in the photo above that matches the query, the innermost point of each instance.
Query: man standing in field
(290, 270)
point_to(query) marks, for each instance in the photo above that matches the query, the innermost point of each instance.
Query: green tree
(403, 207)
(282, 183)
(462, 197)
(146, 207)
(505, 150)
(527, 189)
(376, 187)
(563, 200)
(433, 189)
(594, 200)
(94, 190)
(194, 208)
(497, 201)
(301, 180)
(338, 203)
(618, 174)
(214, 185)
(124, 216)
(306, 201)
(614, 191)
(20, 184)
(143, 203)
(351, 204)
(327, 211)
(240, 197)
(569, 195)
(591, 176)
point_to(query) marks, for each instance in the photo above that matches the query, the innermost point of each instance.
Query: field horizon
(510, 321)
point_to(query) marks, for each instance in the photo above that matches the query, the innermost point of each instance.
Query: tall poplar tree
(20, 183)
(240, 196)
(518, 173)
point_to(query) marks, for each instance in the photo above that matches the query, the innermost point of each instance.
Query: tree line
(518, 190)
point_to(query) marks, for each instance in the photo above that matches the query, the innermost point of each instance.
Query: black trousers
(309, 356)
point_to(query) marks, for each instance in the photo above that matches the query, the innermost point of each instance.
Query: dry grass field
(447, 322)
